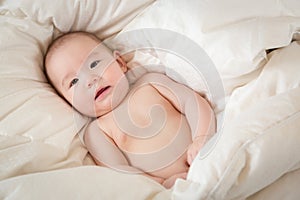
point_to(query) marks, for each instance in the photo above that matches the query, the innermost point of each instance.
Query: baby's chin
(102, 108)
(97, 112)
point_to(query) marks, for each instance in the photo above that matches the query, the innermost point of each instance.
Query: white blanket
(255, 153)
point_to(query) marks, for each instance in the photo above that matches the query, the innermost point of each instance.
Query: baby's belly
(163, 154)
(158, 148)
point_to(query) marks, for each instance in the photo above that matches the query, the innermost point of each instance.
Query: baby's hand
(194, 148)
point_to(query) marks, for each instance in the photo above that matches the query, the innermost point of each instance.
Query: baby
(154, 127)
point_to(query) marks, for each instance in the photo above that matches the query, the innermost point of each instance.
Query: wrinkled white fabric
(255, 156)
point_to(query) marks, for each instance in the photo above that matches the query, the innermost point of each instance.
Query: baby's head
(86, 73)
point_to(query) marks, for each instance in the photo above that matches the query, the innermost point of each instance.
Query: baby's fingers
(191, 154)
(189, 159)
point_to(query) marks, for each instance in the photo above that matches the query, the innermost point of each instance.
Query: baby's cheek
(84, 105)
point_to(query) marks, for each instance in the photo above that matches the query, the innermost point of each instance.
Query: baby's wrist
(200, 137)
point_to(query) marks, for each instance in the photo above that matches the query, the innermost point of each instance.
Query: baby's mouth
(100, 91)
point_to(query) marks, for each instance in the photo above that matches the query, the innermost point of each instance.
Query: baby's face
(88, 75)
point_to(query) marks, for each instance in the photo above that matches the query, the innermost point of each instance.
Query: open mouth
(100, 92)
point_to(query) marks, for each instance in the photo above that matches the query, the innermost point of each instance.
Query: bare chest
(144, 117)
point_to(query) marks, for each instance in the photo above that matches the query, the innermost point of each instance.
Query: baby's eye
(94, 64)
(73, 82)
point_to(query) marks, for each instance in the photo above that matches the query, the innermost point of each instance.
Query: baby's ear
(120, 60)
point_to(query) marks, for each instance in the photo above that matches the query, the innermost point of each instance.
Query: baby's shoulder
(91, 127)
(152, 78)
(96, 126)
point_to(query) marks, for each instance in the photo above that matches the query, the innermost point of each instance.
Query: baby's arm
(196, 109)
(105, 152)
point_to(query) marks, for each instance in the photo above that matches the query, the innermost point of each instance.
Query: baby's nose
(92, 80)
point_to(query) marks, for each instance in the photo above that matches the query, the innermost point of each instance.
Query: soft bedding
(255, 154)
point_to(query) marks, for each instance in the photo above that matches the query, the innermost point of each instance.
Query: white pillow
(38, 129)
(235, 34)
(103, 18)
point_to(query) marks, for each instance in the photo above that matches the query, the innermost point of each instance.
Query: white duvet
(255, 154)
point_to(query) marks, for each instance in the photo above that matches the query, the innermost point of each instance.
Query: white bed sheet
(40, 160)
